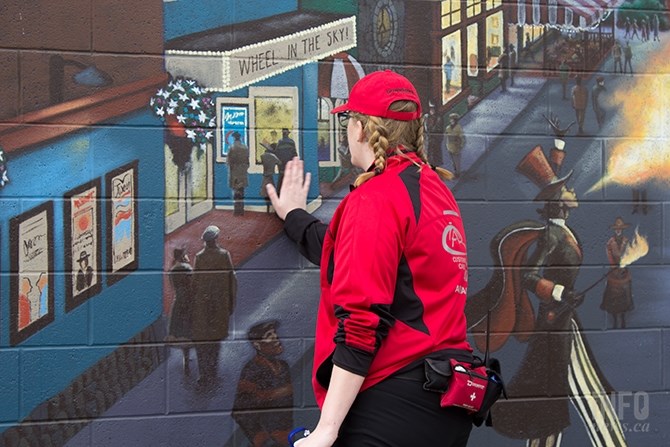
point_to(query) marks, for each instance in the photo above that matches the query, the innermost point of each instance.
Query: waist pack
(474, 386)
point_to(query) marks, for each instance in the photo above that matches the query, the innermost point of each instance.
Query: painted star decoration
(187, 103)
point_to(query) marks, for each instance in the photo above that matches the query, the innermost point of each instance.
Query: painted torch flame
(637, 248)
(644, 154)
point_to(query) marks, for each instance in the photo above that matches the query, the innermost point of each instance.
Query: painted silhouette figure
(215, 293)
(618, 294)
(238, 165)
(264, 397)
(181, 312)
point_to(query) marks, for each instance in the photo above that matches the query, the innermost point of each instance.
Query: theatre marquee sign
(229, 70)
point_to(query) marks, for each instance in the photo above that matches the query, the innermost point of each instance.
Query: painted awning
(560, 13)
(235, 56)
(588, 9)
(337, 74)
(591, 11)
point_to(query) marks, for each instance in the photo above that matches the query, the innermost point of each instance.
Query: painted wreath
(186, 110)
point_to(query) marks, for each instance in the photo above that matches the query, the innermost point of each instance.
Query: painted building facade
(133, 136)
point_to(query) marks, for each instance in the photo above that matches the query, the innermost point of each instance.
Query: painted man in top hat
(215, 293)
(264, 398)
(618, 294)
(238, 166)
(557, 362)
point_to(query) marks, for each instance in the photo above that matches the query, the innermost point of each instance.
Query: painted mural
(149, 297)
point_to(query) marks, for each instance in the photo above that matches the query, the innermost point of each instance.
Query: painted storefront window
(452, 82)
(324, 134)
(199, 177)
(473, 52)
(274, 109)
(473, 8)
(494, 39)
(451, 13)
(172, 204)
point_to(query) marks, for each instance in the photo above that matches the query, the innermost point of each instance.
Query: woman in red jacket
(393, 279)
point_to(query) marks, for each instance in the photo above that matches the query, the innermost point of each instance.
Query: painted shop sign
(229, 70)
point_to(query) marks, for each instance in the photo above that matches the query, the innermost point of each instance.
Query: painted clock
(385, 27)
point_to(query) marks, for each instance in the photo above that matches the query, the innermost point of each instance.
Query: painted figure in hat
(85, 272)
(434, 133)
(543, 259)
(618, 294)
(181, 311)
(580, 99)
(238, 167)
(264, 397)
(270, 163)
(455, 141)
(394, 277)
(286, 150)
(215, 292)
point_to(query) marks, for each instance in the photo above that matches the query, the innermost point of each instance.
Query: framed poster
(232, 115)
(122, 222)
(31, 306)
(83, 239)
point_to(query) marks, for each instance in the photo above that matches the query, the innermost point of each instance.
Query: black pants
(400, 413)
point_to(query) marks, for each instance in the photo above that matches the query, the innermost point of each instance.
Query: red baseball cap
(374, 93)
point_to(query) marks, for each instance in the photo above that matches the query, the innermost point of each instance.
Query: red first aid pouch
(467, 386)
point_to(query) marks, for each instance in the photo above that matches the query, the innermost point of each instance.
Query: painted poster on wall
(122, 218)
(31, 259)
(233, 118)
(83, 262)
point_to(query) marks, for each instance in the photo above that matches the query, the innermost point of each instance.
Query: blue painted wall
(48, 361)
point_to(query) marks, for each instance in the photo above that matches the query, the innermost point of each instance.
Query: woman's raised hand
(293, 191)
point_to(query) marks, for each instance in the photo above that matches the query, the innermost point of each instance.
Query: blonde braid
(379, 143)
(418, 142)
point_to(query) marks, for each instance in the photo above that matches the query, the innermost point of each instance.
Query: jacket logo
(452, 240)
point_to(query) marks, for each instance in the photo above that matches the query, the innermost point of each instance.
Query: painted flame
(644, 153)
(637, 248)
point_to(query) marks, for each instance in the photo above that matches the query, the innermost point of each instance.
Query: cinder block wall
(97, 368)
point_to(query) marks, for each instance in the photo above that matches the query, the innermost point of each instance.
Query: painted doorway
(188, 191)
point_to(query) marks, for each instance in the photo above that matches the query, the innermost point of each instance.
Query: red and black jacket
(393, 274)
